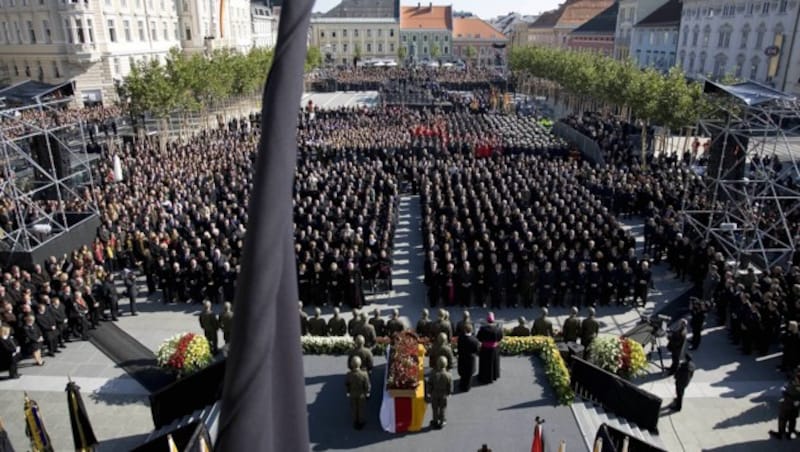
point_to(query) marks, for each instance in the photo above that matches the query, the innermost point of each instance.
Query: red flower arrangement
(177, 360)
(404, 362)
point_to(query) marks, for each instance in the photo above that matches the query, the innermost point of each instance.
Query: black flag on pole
(263, 400)
(82, 432)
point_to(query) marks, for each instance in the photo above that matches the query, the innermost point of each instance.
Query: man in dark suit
(682, 378)
(9, 352)
(468, 348)
(59, 312)
(47, 324)
(677, 341)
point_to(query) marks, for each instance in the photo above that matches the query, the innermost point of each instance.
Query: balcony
(82, 53)
(73, 5)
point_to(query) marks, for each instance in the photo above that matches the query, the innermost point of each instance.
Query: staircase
(590, 417)
(208, 415)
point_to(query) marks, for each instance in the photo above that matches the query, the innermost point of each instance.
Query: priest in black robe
(489, 336)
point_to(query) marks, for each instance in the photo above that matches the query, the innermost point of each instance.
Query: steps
(590, 417)
(208, 415)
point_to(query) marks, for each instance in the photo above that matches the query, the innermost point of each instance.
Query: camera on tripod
(657, 323)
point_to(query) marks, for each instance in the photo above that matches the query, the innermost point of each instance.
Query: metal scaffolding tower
(752, 175)
(46, 180)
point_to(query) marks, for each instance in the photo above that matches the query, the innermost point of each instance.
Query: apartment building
(357, 30)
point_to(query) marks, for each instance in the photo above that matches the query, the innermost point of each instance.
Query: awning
(751, 93)
(31, 92)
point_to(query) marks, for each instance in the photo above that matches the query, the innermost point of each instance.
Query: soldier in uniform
(788, 409)
(367, 330)
(394, 325)
(358, 388)
(698, 319)
(377, 322)
(521, 329)
(210, 325)
(363, 353)
(461, 325)
(589, 329)
(226, 321)
(572, 326)
(424, 325)
(443, 325)
(543, 326)
(316, 324)
(440, 386)
(354, 325)
(468, 348)
(441, 349)
(336, 325)
(303, 319)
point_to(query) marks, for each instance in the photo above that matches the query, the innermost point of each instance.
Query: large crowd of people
(373, 78)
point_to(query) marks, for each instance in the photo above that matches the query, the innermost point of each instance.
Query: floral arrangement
(184, 353)
(404, 361)
(618, 355)
(554, 366)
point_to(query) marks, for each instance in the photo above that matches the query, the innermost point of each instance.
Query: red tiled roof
(426, 17)
(472, 27)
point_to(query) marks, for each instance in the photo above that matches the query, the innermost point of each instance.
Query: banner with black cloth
(188, 394)
(616, 394)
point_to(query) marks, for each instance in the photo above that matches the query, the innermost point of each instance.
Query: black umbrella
(82, 433)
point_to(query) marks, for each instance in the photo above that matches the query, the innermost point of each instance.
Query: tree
(470, 53)
(402, 53)
(436, 52)
(313, 58)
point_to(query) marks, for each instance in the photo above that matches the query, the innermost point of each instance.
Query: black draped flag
(263, 400)
(82, 432)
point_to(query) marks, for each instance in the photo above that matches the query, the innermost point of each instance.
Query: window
(745, 36)
(425, 38)
(691, 62)
(126, 26)
(391, 47)
(380, 32)
(760, 38)
(5, 33)
(682, 59)
(380, 47)
(739, 66)
(344, 33)
(701, 64)
(48, 35)
(754, 63)
(79, 29)
(724, 40)
(404, 38)
(31, 32)
(175, 29)
(719, 66)
(765, 8)
(695, 34)
(369, 33)
(750, 8)
(333, 34)
(782, 6)
(188, 34)
(391, 32)
(27, 70)
(56, 72)
(19, 33)
(68, 30)
(112, 33)
(166, 31)
(138, 4)
(153, 31)
(16, 70)
(117, 67)
(344, 48)
(141, 31)
(446, 50)
(355, 32)
(322, 33)
(706, 35)
(369, 47)
(90, 30)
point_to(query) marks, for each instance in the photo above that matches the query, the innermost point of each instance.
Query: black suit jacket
(468, 348)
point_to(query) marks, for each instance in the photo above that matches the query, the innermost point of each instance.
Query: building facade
(630, 13)
(552, 28)
(357, 30)
(654, 41)
(748, 39)
(93, 42)
(264, 24)
(596, 35)
(214, 24)
(426, 32)
(488, 45)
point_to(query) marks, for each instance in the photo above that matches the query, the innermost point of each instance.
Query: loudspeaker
(726, 159)
(50, 159)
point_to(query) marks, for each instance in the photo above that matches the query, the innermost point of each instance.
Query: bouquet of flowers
(404, 361)
(618, 355)
(184, 353)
